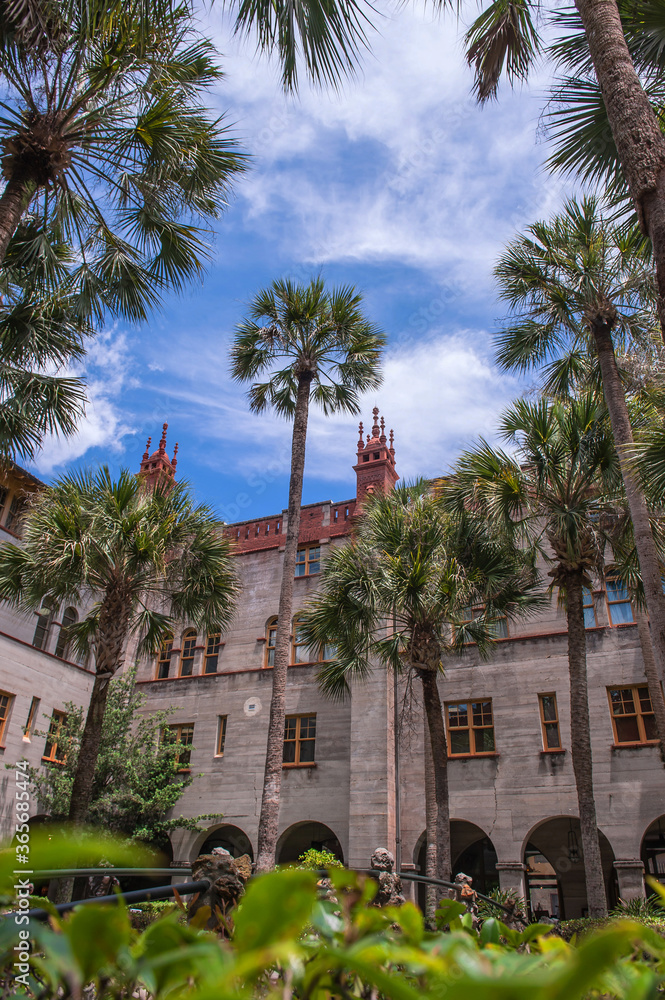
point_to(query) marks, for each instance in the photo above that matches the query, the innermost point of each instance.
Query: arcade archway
(652, 850)
(472, 852)
(302, 836)
(231, 838)
(555, 869)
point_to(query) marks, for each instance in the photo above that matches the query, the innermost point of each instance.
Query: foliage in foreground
(287, 942)
(136, 780)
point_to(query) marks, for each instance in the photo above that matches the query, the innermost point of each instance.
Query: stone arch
(552, 853)
(300, 837)
(652, 849)
(472, 852)
(231, 838)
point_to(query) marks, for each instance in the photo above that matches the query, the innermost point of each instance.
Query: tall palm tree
(554, 493)
(579, 287)
(138, 559)
(313, 345)
(399, 594)
(105, 135)
(505, 37)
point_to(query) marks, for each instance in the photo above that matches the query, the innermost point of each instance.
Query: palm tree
(505, 36)
(577, 286)
(399, 594)
(554, 493)
(311, 345)
(138, 559)
(105, 136)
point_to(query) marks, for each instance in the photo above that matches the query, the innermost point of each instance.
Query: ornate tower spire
(375, 469)
(158, 467)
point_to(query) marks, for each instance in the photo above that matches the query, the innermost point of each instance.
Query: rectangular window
(299, 739)
(308, 561)
(5, 706)
(3, 498)
(212, 653)
(549, 719)
(52, 751)
(32, 716)
(632, 715)
(187, 654)
(271, 639)
(184, 733)
(618, 603)
(13, 519)
(589, 609)
(470, 728)
(164, 658)
(498, 629)
(221, 735)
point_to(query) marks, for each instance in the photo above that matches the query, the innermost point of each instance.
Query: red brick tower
(158, 466)
(376, 461)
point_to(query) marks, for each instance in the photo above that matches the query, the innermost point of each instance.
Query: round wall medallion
(252, 706)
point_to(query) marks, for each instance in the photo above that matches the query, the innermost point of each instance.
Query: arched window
(62, 646)
(187, 653)
(164, 657)
(271, 639)
(212, 652)
(43, 626)
(302, 653)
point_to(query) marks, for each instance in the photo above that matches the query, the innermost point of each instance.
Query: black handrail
(136, 896)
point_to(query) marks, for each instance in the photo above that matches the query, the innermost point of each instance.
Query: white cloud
(107, 370)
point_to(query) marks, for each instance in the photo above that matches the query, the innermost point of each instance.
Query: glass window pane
(290, 752)
(627, 729)
(300, 569)
(622, 702)
(314, 566)
(650, 727)
(589, 618)
(622, 613)
(645, 700)
(616, 590)
(548, 702)
(458, 715)
(499, 629)
(482, 713)
(459, 741)
(307, 751)
(290, 729)
(552, 735)
(484, 739)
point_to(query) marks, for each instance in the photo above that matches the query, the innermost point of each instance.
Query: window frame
(216, 638)
(321, 657)
(616, 603)
(58, 719)
(478, 609)
(298, 740)
(222, 723)
(471, 728)
(30, 722)
(45, 629)
(271, 634)
(544, 723)
(63, 642)
(162, 659)
(638, 714)
(4, 718)
(188, 642)
(307, 549)
(176, 729)
(15, 513)
(589, 606)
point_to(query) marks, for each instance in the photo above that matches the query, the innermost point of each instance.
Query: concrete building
(513, 799)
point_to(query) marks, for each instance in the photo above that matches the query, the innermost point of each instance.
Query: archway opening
(231, 838)
(555, 869)
(652, 850)
(472, 852)
(302, 836)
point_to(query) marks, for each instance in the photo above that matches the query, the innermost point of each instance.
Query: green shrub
(317, 860)
(508, 897)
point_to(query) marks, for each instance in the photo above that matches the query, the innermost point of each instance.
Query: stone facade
(513, 808)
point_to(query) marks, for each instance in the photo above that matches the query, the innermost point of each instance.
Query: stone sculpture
(390, 884)
(228, 876)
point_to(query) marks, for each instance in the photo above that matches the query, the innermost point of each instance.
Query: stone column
(630, 875)
(512, 877)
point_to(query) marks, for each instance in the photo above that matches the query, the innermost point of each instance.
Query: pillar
(512, 877)
(630, 875)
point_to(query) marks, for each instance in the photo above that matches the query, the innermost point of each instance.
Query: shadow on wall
(302, 836)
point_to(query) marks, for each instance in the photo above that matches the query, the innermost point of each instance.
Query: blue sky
(399, 185)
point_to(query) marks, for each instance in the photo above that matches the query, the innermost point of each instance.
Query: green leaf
(97, 934)
(275, 907)
(489, 932)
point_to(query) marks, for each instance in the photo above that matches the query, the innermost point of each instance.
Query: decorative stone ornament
(227, 876)
(390, 884)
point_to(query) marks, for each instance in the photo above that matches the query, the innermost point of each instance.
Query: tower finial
(382, 439)
(361, 443)
(392, 443)
(146, 454)
(375, 428)
(162, 443)
(174, 460)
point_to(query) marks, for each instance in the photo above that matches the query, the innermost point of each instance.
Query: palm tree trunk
(439, 747)
(430, 830)
(13, 203)
(639, 140)
(272, 781)
(89, 752)
(653, 678)
(647, 555)
(580, 742)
